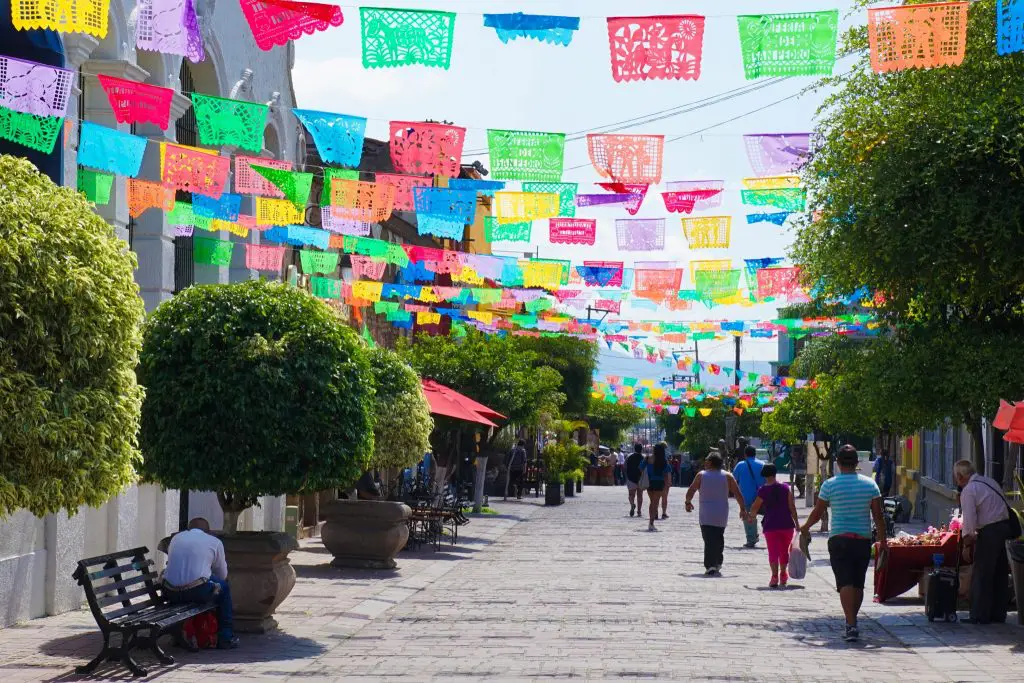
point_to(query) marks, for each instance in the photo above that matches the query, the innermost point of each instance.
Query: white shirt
(194, 555)
(981, 505)
(620, 459)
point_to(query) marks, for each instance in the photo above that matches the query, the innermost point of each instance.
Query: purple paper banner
(171, 27)
(603, 199)
(777, 153)
(33, 88)
(640, 234)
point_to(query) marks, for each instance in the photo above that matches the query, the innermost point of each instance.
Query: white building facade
(38, 555)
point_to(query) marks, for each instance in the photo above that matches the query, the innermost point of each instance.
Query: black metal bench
(124, 594)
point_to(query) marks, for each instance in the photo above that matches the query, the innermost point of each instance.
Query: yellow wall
(908, 472)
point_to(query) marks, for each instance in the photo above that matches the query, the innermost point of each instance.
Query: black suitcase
(943, 590)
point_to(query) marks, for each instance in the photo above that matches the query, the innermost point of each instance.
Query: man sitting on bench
(197, 571)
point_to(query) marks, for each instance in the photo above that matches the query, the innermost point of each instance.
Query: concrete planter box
(554, 494)
(365, 534)
(260, 574)
(570, 489)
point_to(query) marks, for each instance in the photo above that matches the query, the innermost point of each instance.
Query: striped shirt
(849, 497)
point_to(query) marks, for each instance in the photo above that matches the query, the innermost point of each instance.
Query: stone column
(77, 48)
(479, 482)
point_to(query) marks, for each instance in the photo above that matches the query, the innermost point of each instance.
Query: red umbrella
(450, 403)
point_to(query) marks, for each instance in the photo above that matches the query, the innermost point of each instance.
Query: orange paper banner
(917, 36)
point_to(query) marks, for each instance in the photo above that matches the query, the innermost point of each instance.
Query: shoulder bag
(1014, 516)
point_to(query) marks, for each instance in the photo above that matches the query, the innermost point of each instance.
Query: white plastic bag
(797, 559)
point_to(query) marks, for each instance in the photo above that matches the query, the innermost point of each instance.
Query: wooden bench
(532, 478)
(125, 597)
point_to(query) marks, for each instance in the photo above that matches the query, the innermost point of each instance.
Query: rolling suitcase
(943, 589)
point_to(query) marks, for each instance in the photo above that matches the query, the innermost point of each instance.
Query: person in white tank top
(714, 486)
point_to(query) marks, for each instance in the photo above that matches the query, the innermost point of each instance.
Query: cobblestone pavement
(578, 591)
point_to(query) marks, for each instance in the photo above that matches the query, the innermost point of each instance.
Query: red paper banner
(194, 171)
(275, 22)
(404, 199)
(775, 282)
(427, 148)
(647, 48)
(685, 202)
(638, 192)
(135, 102)
(572, 230)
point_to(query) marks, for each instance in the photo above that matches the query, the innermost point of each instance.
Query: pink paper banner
(427, 148)
(366, 267)
(264, 257)
(572, 230)
(275, 22)
(647, 48)
(248, 181)
(713, 190)
(195, 171)
(404, 184)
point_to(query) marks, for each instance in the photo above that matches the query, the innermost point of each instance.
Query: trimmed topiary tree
(402, 422)
(70, 318)
(253, 389)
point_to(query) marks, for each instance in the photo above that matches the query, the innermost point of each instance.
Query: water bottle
(938, 559)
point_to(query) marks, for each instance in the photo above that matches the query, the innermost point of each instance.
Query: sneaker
(227, 643)
(852, 634)
(664, 515)
(710, 571)
(783, 579)
(774, 583)
(750, 544)
(632, 509)
(650, 527)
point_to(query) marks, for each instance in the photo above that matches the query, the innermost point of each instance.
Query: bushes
(69, 341)
(402, 422)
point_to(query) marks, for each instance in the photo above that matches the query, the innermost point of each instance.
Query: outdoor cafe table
(903, 565)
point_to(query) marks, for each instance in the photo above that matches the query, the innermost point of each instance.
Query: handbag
(645, 480)
(797, 559)
(1014, 516)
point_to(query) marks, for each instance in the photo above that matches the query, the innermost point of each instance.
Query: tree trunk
(977, 443)
(232, 506)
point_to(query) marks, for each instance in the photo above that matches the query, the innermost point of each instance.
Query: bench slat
(154, 614)
(103, 559)
(122, 597)
(193, 610)
(132, 609)
(124, 583)
(121, 569)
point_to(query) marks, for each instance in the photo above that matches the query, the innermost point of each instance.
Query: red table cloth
(903, 565)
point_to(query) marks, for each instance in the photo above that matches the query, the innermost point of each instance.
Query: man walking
(714, 486)
(516, 467)
(620, 467)
(885, 473)
(748, 476)
(986, 528)
(633, 466)
(854, 500)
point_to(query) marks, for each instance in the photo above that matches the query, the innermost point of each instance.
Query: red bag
(201, 631)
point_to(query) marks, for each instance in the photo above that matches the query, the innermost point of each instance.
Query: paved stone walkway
(579, 591)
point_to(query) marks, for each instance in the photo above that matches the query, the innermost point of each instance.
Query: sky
(529, 85)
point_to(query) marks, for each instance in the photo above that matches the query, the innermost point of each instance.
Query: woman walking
(714, 486)
(659, 473)
(779, 524)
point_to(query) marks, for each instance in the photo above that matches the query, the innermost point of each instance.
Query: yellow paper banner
(772, 182)
(516, 207)
(271, 211)
(428, 318)
(364, 290)
(81, 16)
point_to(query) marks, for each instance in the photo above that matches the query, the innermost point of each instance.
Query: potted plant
(369, 533)
(253, 389)
(555, 457)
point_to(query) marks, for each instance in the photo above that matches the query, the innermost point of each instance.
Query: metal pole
(738, 339)
(696, 360)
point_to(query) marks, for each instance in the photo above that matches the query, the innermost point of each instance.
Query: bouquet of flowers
(932, 536)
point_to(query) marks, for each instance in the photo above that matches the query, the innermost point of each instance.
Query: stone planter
(365, 534)
(570, 489)
(260, 574)
(554, 494)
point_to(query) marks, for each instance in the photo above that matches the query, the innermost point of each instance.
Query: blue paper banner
(484, 187)
(338, 137)
(446, 203)
(1009, 26)
(778, 218)
(298, 235)
(108, 149)
(556, 30)
(440, 226)
(226, 208)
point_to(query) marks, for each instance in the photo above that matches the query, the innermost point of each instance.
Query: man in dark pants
(986, 528)
(636, 494)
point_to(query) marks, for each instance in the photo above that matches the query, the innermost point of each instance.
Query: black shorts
(656, 485)
(849, 558)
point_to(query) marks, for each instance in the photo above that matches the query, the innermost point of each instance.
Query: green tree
(611, 419)
(575, 360)
(70, 318)
(671, 425)
(402, 422)
(794, 417)
(253, 389)
(701, 432)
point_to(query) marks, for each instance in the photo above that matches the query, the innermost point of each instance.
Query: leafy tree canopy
(253, 389)
(671, 425)
(795, 417)
(575, 360)
(701, 433)
(611, 419)
(402, 422)
(70, 318)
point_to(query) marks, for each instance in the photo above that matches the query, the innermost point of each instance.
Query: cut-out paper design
(338, 137)
(917, 36)
(248, 181)
(526, 155)
(707, 194)
(329, 175)
(277, 212)
(708, 264)
(707, 232)
(404, 184)
(752, 265)
(507, 232)
(264, 257)
(1009, 26)
(777, 154)
(367, 291)
(627, 158)
(145, 194)
(230, 122)
(548, 274)
(343, 226)
(601, 273)
(95, 186)
(240, 226)
(183, 230)
(36, 132)
(171, 27)
(275, 22)
(649, 48)
(778, 282)
(657, 284)
(516, 207)
(295, 185)
(194, 170)
(482, 187)
(427, 148)
(444, 202)
(777, 217)
(640, 234)
(110, 150)
(637, 194)
(400, 37)
(366, 267)
(584, 200)
(572, 230)
(688, 200)
(800, 44)
(212, 252)
(378, 249)
(772, 182)
(61, 15)
(566, 195)
(298, 235)
(441, 226)
(33, 88)
(135, 102)
(361, 201)
(182, 214)
(547, 29)
(319, 261)
(225, 208)
(787, 199)
(717, 284)
(428, 318)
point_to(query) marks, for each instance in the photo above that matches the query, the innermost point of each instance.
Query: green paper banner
(566, 195)
(95, 185)
(802, 44)
(325, 287)
(230, 122)
(295, 184)
(182, 214)
(319, 261)
(538, 305)
(400, 37)
(36, 132)
(526, 155)
(509, 232)
(786, 198)
(212, 252)
(329, 175)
